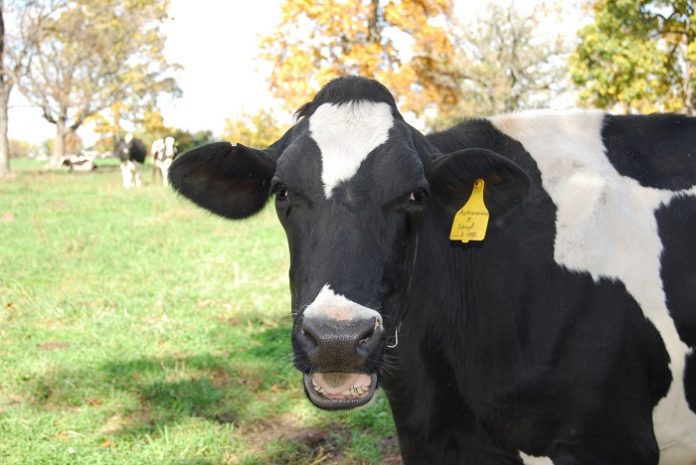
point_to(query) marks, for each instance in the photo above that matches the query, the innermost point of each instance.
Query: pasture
(138, 329)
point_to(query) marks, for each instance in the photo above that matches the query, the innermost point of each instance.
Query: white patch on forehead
(606, 226)
(346, 134)
(331, 306)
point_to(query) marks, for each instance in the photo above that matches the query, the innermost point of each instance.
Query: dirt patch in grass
(297, 444)
(54, 345)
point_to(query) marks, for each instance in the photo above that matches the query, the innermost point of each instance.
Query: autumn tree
(94, 54)
(258, 129)
(505, 64)
(15, 55)
(153, 124)
(403, 43)
(186, 140)
(638, 55)
(6, 84)
(22, 148)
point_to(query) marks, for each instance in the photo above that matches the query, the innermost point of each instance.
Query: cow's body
(568, 323)
(568, 333)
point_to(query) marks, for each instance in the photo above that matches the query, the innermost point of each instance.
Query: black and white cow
(78, 162)
(163, 154)
(132, 152)
(565, 335)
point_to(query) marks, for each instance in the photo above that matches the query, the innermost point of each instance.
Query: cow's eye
(418, 196)
(281, 192)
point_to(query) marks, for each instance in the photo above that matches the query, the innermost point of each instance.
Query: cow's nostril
(369, 339)
(308, 340)
(365, 338)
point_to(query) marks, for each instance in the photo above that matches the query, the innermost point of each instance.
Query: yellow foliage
(639, 55)
(258, 130)
(319, 41)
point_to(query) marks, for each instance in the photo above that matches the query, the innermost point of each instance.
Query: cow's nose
(339, 345)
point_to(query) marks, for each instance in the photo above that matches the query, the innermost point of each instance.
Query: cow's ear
(451, 178)
(229, 180)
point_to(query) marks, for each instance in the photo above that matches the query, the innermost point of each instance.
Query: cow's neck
(468, 290)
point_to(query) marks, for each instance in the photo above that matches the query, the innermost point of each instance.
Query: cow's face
(351, 182)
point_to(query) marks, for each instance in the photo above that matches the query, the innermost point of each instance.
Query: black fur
(657, 150)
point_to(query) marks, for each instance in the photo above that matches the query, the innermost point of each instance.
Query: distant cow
(163, 153)
(132, 152)
(518, 284)
(79, 163)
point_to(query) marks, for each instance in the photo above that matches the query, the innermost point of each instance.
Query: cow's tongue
(337, 384)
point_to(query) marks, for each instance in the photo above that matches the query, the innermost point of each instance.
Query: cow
(132, 152)
(78, 162)
(163, 153)
(522, 286)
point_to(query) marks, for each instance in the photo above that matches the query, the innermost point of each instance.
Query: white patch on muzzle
(346, 133)
(331, 306)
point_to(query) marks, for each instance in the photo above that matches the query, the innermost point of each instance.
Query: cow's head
(352, 182)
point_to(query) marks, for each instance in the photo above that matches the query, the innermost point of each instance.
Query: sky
(216, 41)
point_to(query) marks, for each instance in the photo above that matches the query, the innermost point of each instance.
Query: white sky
(216, 41)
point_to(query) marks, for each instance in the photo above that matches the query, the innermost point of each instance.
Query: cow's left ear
(230, 180)
(451, 178)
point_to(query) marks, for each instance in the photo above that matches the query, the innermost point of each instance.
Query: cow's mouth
(336, 391)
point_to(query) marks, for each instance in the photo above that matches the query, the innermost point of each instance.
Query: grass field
(138, 329)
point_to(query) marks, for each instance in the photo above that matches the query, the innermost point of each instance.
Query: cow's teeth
(355, 391)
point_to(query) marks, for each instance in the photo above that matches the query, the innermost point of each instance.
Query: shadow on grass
(255, 391)
(153, 392)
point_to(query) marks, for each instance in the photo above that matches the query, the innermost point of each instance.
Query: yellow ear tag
(471, 220)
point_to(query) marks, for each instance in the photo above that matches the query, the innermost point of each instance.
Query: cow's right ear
(230, 180)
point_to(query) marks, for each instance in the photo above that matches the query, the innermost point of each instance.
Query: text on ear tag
(471, 220)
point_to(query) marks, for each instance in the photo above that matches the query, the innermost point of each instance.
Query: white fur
(606, 226)
(157, 146)
(170, 148)
(331, 306)
(531, 460)
(346, 134)
(130, 174)
(163, 151)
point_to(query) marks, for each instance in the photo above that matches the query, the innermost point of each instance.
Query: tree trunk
(5, 88)
(690, 65)
(59, 144)
(689, 87)
(4, 140)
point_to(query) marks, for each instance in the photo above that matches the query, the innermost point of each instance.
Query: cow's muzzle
(339, 352)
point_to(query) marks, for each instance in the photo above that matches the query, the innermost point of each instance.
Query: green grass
(138, 329)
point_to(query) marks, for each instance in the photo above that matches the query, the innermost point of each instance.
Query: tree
(6, 84)
(505, 64)
(153, 124)
(96, 54)
(22, 148)
(256, 130)
(403, 43)
(15, 56)
(639, 55)
(186, 140)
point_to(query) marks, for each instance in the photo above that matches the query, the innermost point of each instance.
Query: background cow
(566, 333)
(79, 162)
(163, 154)
(132, 152)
